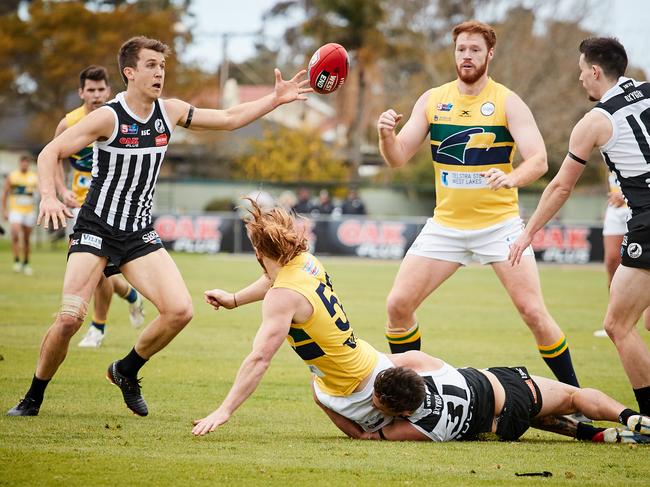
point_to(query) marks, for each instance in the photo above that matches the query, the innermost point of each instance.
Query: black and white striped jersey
(445, 413)
(627, 152)
(126, 166)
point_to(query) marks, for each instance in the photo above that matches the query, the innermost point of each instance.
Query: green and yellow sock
(403, 341)
(558, 359)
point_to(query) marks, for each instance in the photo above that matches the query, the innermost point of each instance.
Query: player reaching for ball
(474, 124)
(114, 231)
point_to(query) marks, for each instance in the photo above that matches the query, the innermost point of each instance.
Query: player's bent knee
(71, 314)
(615, 330)
(399, 308)
(179, 315)
(73, 306)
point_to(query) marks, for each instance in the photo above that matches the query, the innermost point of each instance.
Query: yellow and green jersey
(22, 189)
(469, 135)
(326, 341)
(82, 161)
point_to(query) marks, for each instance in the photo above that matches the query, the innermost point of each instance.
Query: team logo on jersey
(159, 126)
(161, 140)
(487, 108)
(127, 129)
(146, 132)
(634, 250)
(444, 107)
(455, 146)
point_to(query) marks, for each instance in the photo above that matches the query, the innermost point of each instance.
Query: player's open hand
(287, 91)
(51, 209)
(497, 179)
(209, 423)
(387, 123)
(518, 247)
(218, 298)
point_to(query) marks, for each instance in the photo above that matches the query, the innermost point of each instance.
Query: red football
(328, 68)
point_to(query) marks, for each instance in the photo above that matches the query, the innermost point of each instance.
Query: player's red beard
(473, 76)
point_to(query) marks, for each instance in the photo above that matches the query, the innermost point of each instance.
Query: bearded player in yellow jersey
(474, 124)
(94, 91)
(300, 306)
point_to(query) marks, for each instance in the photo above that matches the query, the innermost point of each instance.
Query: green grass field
(84, 434)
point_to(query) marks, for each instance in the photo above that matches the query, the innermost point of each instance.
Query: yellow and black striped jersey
(469, 135)
(326, 341)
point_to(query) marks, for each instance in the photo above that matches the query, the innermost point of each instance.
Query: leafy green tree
(40, 57)
(291, 155)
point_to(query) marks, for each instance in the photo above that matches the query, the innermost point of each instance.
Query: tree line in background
(398, 49)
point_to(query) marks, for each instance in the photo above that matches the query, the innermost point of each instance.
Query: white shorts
(358, 406)
(615, 222)
(72, 221)
(25, 219)
(486, 245)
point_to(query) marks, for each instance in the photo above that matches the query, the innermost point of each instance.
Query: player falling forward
(94, 90)
(474, 125)
(619, 125)
(299, 306)
(434, 401)
(114, 230)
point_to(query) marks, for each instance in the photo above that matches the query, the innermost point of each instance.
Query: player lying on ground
(435, 401)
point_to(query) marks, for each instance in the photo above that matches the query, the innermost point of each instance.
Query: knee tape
(73, 306)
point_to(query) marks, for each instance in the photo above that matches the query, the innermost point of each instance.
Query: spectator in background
(304, 205)
(287, 201)
(353, 204)
(325, 205)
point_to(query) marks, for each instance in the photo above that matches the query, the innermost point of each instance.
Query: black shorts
(635, 251)
(92, 235)
(523, 402)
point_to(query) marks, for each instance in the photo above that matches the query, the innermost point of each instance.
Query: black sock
(131, 364)
(404, 347)
(37, 389)
(562, 367)
(643, 398)
(586, 432)
(625, 415)
(26, 261)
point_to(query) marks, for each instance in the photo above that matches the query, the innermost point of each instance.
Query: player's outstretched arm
(96, 125)
(398, 149)
(277, 313)
(254, 292)
(240, 115)
(587, 134)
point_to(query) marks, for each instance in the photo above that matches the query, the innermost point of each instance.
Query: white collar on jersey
(615, 90)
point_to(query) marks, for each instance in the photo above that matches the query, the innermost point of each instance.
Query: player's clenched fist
(387, 122)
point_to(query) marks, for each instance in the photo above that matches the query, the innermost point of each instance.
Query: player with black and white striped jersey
(619, 125)
(114, 231)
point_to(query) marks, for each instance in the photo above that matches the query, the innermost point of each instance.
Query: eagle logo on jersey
(455, 146)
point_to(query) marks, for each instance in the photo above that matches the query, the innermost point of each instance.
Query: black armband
(381, 433)
(576, 158)
(189, 117)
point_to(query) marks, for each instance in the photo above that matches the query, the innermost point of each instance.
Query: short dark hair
(94, 73)
(130, 50)
(476, 27)
(400, 389)
(606, 52)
